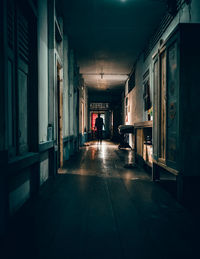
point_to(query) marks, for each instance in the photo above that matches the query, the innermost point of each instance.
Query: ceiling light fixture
(103, 75)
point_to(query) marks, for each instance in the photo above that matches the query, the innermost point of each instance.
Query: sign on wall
(99, 106)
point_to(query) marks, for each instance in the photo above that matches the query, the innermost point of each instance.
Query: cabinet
(176, 135)
(143, 143)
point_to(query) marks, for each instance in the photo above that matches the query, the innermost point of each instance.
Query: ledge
(144, 124)
(68, 138)
(20, 162)
(167, 168)
(45, 146)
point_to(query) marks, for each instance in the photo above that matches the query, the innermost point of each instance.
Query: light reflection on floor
(104, 160)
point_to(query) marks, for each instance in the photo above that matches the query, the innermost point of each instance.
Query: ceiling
(108, 35)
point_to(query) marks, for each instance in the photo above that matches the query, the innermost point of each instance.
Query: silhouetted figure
(99, 126)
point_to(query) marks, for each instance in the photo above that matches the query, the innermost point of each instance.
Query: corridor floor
(97, 208)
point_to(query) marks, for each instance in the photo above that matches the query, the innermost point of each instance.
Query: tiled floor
(96, 208)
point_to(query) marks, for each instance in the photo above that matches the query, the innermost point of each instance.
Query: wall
(42, 69)
(22, 174)
(43, 93)
(83, 112)
(86, 109)
(71, 92)
(66, 98)
(17, 167)
(65, 87)
(136, 111)
(21, 192)
(71, 100)
(135, 97)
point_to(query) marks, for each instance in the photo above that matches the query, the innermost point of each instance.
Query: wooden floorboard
(98, 209)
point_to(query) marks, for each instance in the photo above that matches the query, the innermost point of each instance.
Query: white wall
(83, 100)
(137, 113)
(135, 97)
(44, 171)
(182, 17)
(71, 92)
(65, 87)
(86, 109)
(42, 69)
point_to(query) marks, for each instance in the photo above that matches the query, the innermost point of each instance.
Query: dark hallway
(98, 209)
(99, 129)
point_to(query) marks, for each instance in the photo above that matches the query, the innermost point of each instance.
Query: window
(21, 85)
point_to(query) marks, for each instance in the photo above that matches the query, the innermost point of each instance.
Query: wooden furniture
(176, 136)
(143, 146)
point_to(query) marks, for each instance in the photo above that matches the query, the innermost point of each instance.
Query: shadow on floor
(97, 209)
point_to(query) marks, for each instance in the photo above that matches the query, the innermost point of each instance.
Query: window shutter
(10, 24)
(23, 37)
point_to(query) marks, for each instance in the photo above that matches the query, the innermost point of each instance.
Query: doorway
(93, 117)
